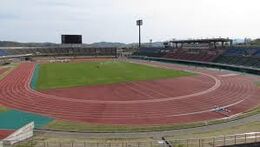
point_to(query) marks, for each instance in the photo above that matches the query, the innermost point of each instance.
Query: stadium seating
(194, 54)
(3, 53)
(257, 53)
(240, 51)
(241, 61)
(204, 55)
(56, 51)
(151, 52)
(241, 56)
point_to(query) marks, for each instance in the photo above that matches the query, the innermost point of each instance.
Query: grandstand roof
(202, 40)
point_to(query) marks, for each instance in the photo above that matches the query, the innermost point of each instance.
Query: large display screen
(71, 39)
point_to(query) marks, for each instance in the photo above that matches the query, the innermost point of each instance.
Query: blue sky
(114, 20)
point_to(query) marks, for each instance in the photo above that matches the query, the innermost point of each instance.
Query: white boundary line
(213, 88)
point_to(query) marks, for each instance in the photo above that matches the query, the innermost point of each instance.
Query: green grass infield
(59, 75)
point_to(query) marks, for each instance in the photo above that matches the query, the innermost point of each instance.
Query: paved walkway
(153, 134)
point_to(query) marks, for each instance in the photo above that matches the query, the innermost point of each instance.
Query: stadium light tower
(139, 23)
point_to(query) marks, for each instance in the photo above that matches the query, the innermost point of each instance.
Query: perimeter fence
(219, 141)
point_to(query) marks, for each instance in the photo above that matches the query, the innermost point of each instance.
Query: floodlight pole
(139, 36)
(139, 23)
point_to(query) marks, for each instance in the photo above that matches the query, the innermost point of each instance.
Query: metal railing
(218, 141)
(246, 138)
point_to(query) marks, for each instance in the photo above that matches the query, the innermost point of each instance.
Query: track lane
(16, 93)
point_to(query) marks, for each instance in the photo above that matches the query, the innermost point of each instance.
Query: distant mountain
(256, 42)
(19, 44)
(97, 44)
(154, 44)
(238, 41)
(247, 41)
(122, 45)
(107, 44)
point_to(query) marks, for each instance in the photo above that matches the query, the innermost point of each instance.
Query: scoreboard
(71, 39)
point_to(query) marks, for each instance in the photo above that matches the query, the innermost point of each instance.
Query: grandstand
(57, 51)
(3, 53)
(205, 50)
(242, 56)
(14, 54)
(152, 51)
(205, 55)
(218, 50)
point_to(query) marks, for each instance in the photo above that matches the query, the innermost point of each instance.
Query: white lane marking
(229, 75)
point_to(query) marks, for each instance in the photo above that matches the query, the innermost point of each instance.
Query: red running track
(138, 102)
(5, 133)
